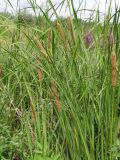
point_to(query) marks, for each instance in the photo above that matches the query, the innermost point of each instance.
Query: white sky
(88, 4)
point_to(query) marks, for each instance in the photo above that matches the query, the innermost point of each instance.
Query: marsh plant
(59, 89)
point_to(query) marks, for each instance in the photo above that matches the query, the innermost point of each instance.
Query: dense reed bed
(59, 87)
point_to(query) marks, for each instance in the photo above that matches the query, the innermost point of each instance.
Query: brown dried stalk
(56, 95)
(60, 29)
(70, 28)
(114, 69)
(41, 48)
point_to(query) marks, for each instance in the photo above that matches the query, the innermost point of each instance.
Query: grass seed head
(41, 48)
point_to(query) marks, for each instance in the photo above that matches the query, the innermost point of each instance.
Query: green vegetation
(59, 87)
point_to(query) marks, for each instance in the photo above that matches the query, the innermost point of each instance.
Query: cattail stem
(114, 69)
(56, 95)
(60, 29)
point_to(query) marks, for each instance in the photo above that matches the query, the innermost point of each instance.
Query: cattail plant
(88, 39)
(70, 28)
(49, 39)
(56, 95)
(114, 69)
(60, 29)
(41, 48)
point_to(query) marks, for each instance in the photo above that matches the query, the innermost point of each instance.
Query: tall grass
(59, 95)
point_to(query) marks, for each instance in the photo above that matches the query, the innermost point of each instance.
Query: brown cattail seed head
(114, 69)
(56, 95)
